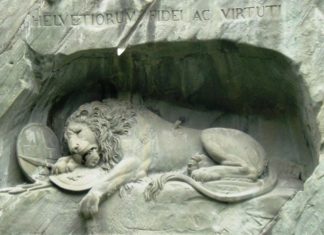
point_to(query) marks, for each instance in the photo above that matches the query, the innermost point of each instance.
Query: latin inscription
(251, 12)
(84, 19)
(159, 15)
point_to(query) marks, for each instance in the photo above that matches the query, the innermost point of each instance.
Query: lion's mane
(108, 120)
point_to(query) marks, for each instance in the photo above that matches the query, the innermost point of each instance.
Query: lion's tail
(261, 187)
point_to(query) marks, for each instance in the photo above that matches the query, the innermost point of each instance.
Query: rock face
(303, 214)
(254, 65)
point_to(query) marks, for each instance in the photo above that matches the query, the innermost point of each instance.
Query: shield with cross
(37, 149)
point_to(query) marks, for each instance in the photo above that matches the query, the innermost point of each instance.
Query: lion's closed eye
(77, 131)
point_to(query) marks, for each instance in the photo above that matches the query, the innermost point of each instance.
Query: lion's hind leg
(198, 161)
(232, 150)
(218, 172)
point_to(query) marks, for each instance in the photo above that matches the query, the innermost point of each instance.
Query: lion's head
(98, 125)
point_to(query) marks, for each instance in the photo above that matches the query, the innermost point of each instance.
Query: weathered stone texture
(274, 61)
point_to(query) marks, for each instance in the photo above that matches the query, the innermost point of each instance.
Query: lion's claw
(89, 205)
(193, 163)
(55, 170)
(65, 165)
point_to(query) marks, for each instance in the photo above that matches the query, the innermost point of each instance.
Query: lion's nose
(75, 148)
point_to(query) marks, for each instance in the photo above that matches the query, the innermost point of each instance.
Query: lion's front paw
(92, 159)
(60, 167)
(64, 165)
(89, 205)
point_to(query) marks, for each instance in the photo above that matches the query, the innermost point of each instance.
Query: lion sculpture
(131, 142)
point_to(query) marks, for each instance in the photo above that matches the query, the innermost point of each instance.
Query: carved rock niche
(202, 84)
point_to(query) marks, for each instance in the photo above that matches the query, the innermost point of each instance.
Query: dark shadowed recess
(206, 75)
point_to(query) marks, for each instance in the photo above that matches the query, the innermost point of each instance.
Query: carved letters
(251, 11)
(158, 15)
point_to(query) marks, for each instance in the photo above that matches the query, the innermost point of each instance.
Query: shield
(37, 149)
(80, 179)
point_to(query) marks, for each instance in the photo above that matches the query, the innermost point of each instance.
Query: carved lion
(131, 142)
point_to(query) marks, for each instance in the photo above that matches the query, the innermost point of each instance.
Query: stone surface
(264, 73)
(173, 212)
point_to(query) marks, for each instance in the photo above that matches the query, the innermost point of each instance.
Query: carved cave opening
(204, 84)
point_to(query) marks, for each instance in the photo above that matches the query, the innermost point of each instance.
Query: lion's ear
(84, 113)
